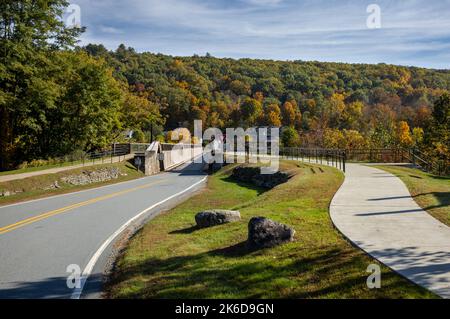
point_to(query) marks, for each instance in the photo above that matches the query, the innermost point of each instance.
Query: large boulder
(215, 217)
(265, 233)
(253, 175)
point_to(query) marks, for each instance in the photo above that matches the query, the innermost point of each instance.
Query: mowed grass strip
(170, 258)
(430, 192)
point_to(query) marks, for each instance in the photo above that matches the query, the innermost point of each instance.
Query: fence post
(344, 158)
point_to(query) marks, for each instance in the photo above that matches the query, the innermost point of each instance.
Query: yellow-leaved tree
(404, 137)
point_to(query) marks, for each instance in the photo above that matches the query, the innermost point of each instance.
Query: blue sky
(413, 32)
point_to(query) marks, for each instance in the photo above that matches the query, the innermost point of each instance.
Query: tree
(89, 108)
(138, 112)
(353, 140)
(437, 136)
(289, 113)
(251, 110)
(290, 137)
(31, 33)
(404, 134)
(352, 114)
(333, 138)
(273, 117)
(417, 136)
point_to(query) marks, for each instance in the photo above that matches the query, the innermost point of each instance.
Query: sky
(412, 32)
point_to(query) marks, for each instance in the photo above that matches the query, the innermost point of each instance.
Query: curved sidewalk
(375, 211)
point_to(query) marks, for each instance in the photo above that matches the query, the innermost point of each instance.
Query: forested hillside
(325, 104)
(57, 98)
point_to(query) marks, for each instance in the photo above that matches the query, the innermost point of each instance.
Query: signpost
(138, 162)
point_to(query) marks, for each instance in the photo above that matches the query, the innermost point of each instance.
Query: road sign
(137, 161)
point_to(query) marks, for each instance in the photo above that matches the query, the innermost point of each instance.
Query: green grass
(170, 258)
(31, 187)
(431, 192)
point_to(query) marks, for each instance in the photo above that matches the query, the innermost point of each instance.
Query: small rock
(216, 217)
(265, 233)
(6, 193)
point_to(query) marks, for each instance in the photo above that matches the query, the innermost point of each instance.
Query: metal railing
(331, 157)
(399, 155)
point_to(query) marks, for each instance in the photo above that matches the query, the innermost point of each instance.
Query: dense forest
(57, 98)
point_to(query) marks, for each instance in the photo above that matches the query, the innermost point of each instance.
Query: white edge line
(90, 265)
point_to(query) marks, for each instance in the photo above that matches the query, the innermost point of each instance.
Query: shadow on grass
(260, 190)
(442, 197)
(328, 271)
(239, 250)
(185, 231)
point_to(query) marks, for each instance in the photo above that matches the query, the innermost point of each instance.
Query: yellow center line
(58, 211)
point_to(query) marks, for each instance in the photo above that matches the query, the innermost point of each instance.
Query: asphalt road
(40, 239)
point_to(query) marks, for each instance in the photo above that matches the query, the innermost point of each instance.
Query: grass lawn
(170, 258)
(31, 187)
(431, 192)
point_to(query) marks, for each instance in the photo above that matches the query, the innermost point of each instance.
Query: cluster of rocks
(89, 177)
(262, 232)
(253, 175)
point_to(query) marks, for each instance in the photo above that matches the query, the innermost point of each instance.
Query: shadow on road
(54, 288)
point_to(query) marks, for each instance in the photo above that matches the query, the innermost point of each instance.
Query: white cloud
(274, 28)
(263, 2)
(111, 30)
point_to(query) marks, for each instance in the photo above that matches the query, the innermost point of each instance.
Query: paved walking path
(116, 159)
(375, 211)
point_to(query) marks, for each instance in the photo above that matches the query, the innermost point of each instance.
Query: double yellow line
(34, 219)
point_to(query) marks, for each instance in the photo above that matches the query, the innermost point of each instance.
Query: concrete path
(116, 159)
(375, 211)
(39, 239)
